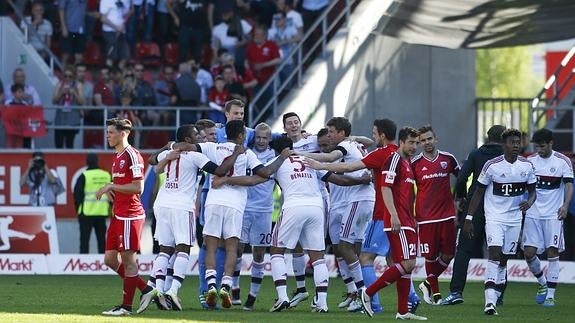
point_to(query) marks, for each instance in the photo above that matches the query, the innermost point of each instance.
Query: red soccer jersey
(256, 54)
(397, 174)
(434, 201)
(128, 166)
(374, 161)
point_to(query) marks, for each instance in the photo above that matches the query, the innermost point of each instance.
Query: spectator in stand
(31, 96)
(312, 10)
(145, 97)
(234, 87)
(41, 36)
(286, 37)
(231, 34)
(17, 98)
(115, 14)
(165, 25)
(87, 85)
(218, 97)
(191, 18)
(215, 11)
(190, 94)
(72, 21)
(216, 68)
(127, 96)
(67, 95)
(263, 10)
(246, 77)
(119, 76)
(262, 56)
(166, 94)
(92, 16)
(204, 79)
(293, 17)
(143, 14)
(103, 94)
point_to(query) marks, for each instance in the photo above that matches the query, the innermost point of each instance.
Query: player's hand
(167, 146)
(218, 181)
(239, 149)
(103, 190)
(310, 162)
(468, 228)
(305, 134)
(562, 212)
(524, 206)
(366, 177)
(395, 223)
(286, 153)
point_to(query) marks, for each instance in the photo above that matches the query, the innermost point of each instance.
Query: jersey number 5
(297, 160)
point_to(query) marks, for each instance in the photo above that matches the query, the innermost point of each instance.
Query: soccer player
(350, 211)
(397, 183)
(375, 242)
(174, 209)
(300, 220)
(471, 248)
(501, 186)
(125, 230)
(434, 211)
(543, 227)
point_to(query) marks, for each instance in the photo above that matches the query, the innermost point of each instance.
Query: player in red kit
(126, 224)
(397, 184)
(434, 211)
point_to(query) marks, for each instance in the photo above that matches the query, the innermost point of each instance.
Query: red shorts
(403, 245)
(124, 234)
(437, 237)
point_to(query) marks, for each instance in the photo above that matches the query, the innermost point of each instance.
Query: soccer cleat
(315, 308)
(425, 289)
(249, 304)
(453, 299)
(355, 305)
(280, 305)
(348, 298)
(163, 303)
(236, 299)
(413, 303)
(202, 299)
(366, 302)
(549, 302)
(146, 299)
(117, 311)
(225, 298)
(541, 294)
(297, 297)
(490, 309)
(212, 298)
(437, 299)
(174, 300)
(410, 316)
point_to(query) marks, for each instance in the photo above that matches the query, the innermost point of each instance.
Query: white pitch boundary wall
(93, 264)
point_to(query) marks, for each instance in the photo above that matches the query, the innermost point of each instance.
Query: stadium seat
(171, 52)
(93, 54)
(148, 53)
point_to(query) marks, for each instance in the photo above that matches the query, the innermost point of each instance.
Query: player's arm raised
(324, 157)
(344, 180)
(164, 158)
(365, 141)
(335, 167)
(268, 170)
(238, 180)
(153, 159)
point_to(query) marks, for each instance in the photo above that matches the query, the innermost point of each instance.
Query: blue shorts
(375, 240)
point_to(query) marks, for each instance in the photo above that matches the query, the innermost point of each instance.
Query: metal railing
(29, 31)
(274, 87)
(510, 112)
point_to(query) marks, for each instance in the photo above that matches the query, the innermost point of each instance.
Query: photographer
(43, 182)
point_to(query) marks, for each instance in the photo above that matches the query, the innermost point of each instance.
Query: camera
(38, 163)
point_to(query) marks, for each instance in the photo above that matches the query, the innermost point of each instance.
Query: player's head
(208, 127)
(92, 160)
(408, 140)
(383, 131)
(427, 138)
(236, 131)
(281, 143)
(543, 141)
(511, 142)
(323, 141)
(338, 128)
(234, 110)
(118, 130)
(292, 124)
(263, 136)
(187, 133)
(494, 133)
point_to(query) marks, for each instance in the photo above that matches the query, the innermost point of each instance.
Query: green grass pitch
(82, 298)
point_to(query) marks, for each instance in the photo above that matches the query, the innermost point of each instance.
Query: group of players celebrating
(365, 203)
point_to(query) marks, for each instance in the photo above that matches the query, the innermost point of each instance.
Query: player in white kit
(543, 227)
(501, 186)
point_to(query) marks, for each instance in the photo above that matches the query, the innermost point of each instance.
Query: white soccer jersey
(298, 183)
(233, 196)
(307, 145)
(506, 185)
(260, 197)
(181, 185)
(353, 151)
(551, 173)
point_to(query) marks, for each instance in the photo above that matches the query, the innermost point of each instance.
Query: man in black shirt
(191, 18)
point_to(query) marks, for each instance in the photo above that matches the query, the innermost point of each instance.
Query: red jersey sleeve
(390, 170)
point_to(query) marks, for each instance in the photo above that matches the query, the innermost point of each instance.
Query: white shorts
(354, 221)
(256, 228)
(334, 223)
(174, 227)
(222, 222)
(300, 223)
(503, 235)
(543, 234)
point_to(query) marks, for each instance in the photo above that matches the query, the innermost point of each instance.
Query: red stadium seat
(148, 54)
(171, 54)
(93, 54)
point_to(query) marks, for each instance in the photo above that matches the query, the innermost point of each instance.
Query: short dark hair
(542, 135)
(204, 124)
(232, 102)
(340, 123)
(281, 143)
(234, 128)
(92, 159)
(426, 128)
(120, 124)
(510, 132)
(184, 131)
(494, 133)
(289, 115)
(322, 132)
(406, 132)
(386, 127)
(16, 86)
